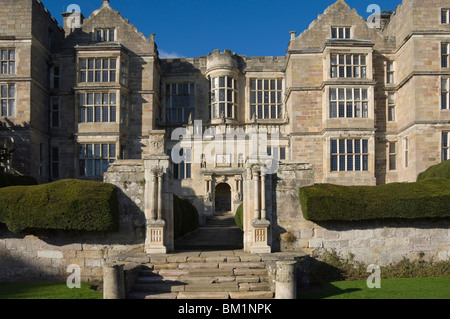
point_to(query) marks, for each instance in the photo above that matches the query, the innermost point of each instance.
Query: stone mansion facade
(358, 105)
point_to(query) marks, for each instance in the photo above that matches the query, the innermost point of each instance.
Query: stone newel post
(158, 198)
(286, 280)
(260, 223)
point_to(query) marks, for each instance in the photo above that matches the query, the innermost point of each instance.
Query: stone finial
(105, 2)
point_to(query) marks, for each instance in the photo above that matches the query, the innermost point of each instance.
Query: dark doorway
(223, 198)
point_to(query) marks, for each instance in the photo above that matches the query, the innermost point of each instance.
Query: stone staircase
(221, 219)
(203, 277)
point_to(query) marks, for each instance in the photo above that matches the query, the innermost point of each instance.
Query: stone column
(260, 223)
(160, 199)
(156, 225)
(153, 196)
(286, 280)
(257, 214)
(263, 195)
(113, 281)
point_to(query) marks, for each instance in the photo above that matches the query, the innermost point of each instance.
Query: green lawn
(47, 290)
(413, 288)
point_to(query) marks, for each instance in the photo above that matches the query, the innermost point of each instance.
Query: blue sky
(196, 27)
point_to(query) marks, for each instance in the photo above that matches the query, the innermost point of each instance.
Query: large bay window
(223, 97)
(349, 103)
(98, 70)
(98, 107)
(266, 98)
(95, 159)
(348, 66)
(349, 155)
(180, 102)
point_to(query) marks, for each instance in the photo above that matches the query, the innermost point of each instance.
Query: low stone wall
(379, 242)
(46, 255)
(373, 242)
(32, 257)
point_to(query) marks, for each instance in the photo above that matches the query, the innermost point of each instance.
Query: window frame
(105, 35)
(390, 72)
(9, 99)
(339, 157)
(183, 170)
(266, 88)
(391, 107)
(337, 112)
(55, 77)
(281, 151)
(445, 13)
(177, 106)
(55, 112)
(98, 160)
(223, 97)
(445, 146)
(445, 93)
(98, 69)
(346, 32)
(8, 62)
(340, 68)
(392, 156)
(445, 54)
(94, 109)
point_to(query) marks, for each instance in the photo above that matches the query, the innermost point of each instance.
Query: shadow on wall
(20, 137)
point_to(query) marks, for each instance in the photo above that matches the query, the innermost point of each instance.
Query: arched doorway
(222, 198)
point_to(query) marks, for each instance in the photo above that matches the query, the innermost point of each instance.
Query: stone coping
(222, 256)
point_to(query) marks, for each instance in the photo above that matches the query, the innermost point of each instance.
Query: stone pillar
(159, 206)
(257, 214)
(286, 280)
(260, 224)
(160, 199)
(113, 281)
(153, 213)
(263, 195)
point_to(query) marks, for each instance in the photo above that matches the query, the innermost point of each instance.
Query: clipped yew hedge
(441, 170)
(428, 198)
(186, 218)
(63, 205)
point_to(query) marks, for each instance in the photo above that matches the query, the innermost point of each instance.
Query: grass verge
(403, 288)
(47, 290)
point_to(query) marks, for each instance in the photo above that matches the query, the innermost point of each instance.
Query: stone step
(163, 286)
(251, 295)
(215, 287)
(238, 276)
(152, 295)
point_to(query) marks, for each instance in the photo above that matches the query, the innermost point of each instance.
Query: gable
(125, 33)
(337, 15)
